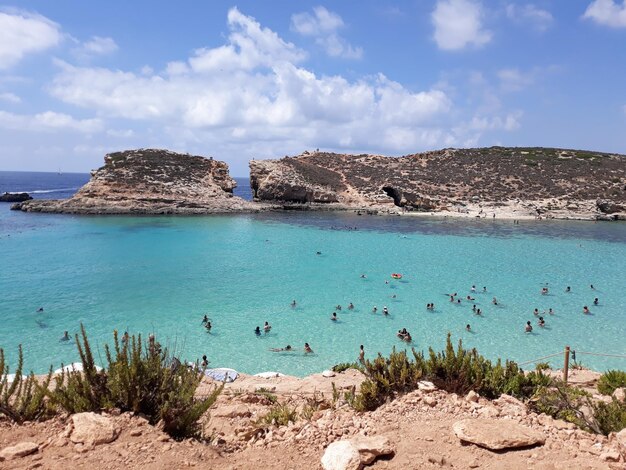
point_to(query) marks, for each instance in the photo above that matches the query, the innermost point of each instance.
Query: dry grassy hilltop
(151, 181)
(554, 182)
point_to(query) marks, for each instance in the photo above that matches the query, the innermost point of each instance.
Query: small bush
(142, 378)
(611, 417)
(23, 399)
(279, 415)
(267, 394)
(611, 380)
(343, 366)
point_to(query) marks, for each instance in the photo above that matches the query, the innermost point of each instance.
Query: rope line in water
(539, 359)
(602, 354)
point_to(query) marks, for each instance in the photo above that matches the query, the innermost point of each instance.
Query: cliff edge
(151, 181)
(519, 182)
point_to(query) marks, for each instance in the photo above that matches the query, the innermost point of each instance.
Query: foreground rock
(21, 449)
(151, 181)
(496, 434)
(93, 429)
(15, 197)
(514, 182)
(354, 453)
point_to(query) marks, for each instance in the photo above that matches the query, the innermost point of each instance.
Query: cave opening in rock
(254, 185)
(395, 194)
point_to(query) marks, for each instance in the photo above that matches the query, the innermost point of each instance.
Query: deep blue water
(161, 274)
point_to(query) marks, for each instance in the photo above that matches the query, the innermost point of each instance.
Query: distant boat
(59, 172)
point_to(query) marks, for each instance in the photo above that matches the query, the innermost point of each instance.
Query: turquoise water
(160, 275)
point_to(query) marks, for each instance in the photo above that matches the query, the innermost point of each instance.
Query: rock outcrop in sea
(151, 181)
(529, 181)
(15, 197)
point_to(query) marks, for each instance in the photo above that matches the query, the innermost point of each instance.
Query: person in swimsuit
(293, 303)
(267, 327)
(307, 348)
(596, 301)
(362, 355)
(468, 327)
(375, 309)
(286, 348)
(65, 337)
(385, 310)
(541, 322)
(257, 331)
(208, 326)
(334, 316)
(205, 361)
(529, 327)
(586, 310)
(350, 306)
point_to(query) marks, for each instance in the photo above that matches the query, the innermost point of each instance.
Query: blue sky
(252, 79)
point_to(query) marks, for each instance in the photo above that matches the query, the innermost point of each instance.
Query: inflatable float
(396, 276)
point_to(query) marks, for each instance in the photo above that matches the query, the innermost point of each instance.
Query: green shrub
(343, 366)
(142, 378)
(561, 402)
(279, 415)
(611, 380)
(267, 394)
(23, 399)
(611, 417)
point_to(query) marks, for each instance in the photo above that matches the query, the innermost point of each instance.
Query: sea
(161, 275)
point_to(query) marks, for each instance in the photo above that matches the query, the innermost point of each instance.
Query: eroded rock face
(21, 449)
(496, 434)
(151, 181)
(93, 429)
(448, 179)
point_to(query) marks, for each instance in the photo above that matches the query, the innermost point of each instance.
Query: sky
(237, 81)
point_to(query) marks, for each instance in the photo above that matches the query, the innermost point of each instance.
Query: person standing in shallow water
(362, 355)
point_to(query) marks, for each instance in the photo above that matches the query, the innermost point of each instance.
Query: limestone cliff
(151, 181)
(554, 182)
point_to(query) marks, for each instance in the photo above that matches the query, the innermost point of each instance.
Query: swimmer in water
(484, 289)
(385, 310)
(478, 311)
(494, 301)
(257, 331)
(125, 338)
(468, 327)
(536, 312)
(375, 309)
(596, 301)
(208, 326)
(334, 316)
(474, 309)
(318, 252)
(293, 303)
(592, 288)
(541, 322)
(350, 306)
(205, 361)
(338, 307)
(65, 337)
(40, 309)
(469, 297)
(544, 291)
(362, 355)
(550, 311)
(362, 276)
(307, 348)
(267, 327)
(458, 301)
(451, 298)
(529, 327)
(473, 289)
(568, 289)
(586, 310)
(408, 337)
(205, 320)
(286, 348)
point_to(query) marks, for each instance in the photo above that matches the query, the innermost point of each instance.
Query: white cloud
(607, 13)
(23, 33)
(10, 97)
(539, 18)
(99, 46)
(323, 26)
(48, 121)
(514, 80)
(459, 24)
(121, 133)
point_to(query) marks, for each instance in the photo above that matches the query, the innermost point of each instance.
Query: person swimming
(592, 288)
(494, 301)
(469, 297)
(458, 301)
(536, 312)
(363, 276)
(473, 289)
(478, 311)
(451, 298)
(40, 309)
(338, 307)
(550, 311)
(361, 355)
(307, 348)
(529, 327)
(65, 337)
(484, 289)
(468, 327)
(375, 309)
(541, 322)
(208, 326)
(257, 331)
(385, 310)
(267, 327)
(544, 291)
(474, 308)
(318, 252)
(293, 303)
(286, 348)
(568, 289)
(205, 361)
(586, 310)
(334, 316)
(596, 301)
(350, 306)
(205, 320)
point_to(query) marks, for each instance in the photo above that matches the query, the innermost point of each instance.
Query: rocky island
(482, 182)
(151, 181)
(15, 197)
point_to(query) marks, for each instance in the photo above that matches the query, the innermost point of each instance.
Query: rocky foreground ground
(426, 429)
